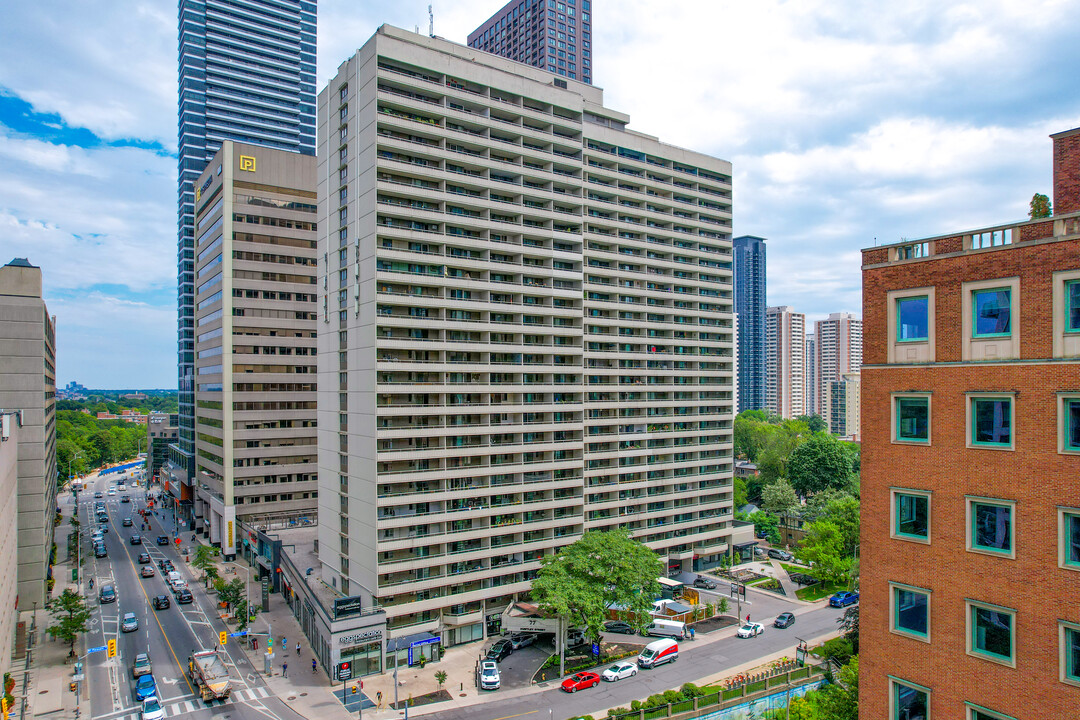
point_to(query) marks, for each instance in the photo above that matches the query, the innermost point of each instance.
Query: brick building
(971, 453)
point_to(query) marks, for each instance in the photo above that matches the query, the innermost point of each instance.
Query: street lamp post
(70, 460)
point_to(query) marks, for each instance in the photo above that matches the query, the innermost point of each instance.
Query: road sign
(222, 637)
(99, 648)
(344, 671)
(242, 633)
(112, 648)
(596, 649)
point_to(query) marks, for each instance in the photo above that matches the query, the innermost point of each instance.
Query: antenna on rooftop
(431, 22)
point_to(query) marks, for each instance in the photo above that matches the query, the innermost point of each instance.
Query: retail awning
(404, 643)
(667, 582)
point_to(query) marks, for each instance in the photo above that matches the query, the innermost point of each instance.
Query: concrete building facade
(971, 449)
(810, 374)
(246, 73)
(161, 431)
(256, 300)
(785, 365)
(524, 333)
(750, 292)
(553, 35)
(10, 427)
(844, 407)
(28, 384)
(837, 350)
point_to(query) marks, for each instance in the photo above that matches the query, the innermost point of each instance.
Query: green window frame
(991, 422)
(909, 701)
(991, 312)
(1070, 539)
(1072, 306)
(913, 318)
(992, 632)
(991, 526)
(1071, 406)
(977, 712)
(1070, 638)
(911, 611)
(912, 518)
(913, 419)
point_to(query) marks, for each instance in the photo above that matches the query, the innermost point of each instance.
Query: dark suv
(184, 596)
(161, 602)
(500, 650)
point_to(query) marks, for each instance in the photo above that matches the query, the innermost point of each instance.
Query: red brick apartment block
(970, 589)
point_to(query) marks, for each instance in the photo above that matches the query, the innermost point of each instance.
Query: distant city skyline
(845, 125)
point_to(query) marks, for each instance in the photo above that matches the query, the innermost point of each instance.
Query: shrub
(690, 691)
(839, 649)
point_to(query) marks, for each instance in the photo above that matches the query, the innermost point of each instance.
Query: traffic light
(222, 637)
(4, 707)
(111, 652)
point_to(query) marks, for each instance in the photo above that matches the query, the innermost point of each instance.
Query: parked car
(618, 626)
(703, 582)
(162, 540)
(144, 558)
(844, 598)
(500, 650)
(784, 619)
(619, 670)
(184, 596)
(163, 562)
(100, 551)
(781, 554)
(141, 666)
(125, 499)
(750, 629)
(107, 594)
(657, 653)
(130, 623)
(575, 637)
(665, 628)
(136, 539)
(127, 522)
(580, 681)
(161, 602)
(104, 520)
(145, 687)
(152, 710)
(148, 571)
(489, 675)
(520, 640)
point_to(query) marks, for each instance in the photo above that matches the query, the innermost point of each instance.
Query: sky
(848, 124)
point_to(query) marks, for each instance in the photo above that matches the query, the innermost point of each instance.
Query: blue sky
(848, 123)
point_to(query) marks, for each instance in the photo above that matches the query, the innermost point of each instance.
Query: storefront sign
(345, 607)
(360, 637)
(419, 644)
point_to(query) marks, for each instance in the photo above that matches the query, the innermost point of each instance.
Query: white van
(175, 581)
(657, 653)
(666, 628)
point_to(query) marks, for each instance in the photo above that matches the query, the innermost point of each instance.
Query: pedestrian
(747, 617)
(284, 644)
(297, 649)
(254, 643)
(284, 669)
(312, 664)
(91, 583)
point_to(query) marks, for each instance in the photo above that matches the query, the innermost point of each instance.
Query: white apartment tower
(810, 375)
(785, 364)
(838, 350)
(525, 332)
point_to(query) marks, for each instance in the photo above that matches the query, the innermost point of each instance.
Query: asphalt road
(168, 636)
(696, 660)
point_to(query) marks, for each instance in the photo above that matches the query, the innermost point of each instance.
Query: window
(975, 712)
(912, 419)
(1069, 538)
(991, 421)
(990, 632)
(911, 611)
(990, 526)
(1072, 305)
(908, 701)
(1069, 639)
(913, 319)
(1070, 425)
(993, 313)
(911, 515)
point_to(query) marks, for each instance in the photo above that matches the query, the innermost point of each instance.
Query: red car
(580, 681)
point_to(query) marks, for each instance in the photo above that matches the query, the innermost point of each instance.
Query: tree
(824, 547)
(231, 592)
(817, 464)
(245, 613)
(440, 677)
(815, 422)
(849, 626)
(603, 568)
(834, 701)
(779, 497)
(769, 524)
(1040, 207)
(739, 492)
(204, 559)
(70, 616)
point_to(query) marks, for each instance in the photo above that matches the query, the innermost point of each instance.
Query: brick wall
(1066, 171)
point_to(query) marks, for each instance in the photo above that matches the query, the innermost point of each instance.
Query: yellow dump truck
(210, 675)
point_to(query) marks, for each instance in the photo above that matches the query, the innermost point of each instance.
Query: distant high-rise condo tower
(785, 342)
(556, 38)
(247, 73)
(837, 350)
(749, 256)
(810, 375)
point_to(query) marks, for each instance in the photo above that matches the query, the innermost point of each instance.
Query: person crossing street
(313, 666)
(284, 669)
(297, 649)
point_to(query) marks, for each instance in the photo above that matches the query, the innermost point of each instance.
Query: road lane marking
(507, 717)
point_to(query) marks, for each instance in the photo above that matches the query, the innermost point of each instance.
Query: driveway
(518, 669)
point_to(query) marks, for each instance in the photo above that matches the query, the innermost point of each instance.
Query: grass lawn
(816, 592)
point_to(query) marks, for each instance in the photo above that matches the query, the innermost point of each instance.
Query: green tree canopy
(815, 422)
(824, 547)
(834, 701)
(603, 568)
(779, 497)
(819, 463)
(1040, 207)
(70, 618)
